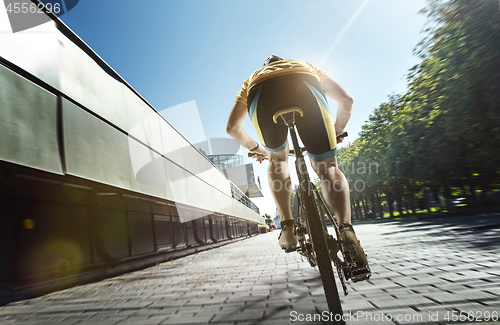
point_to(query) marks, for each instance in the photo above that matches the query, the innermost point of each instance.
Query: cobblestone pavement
(432, 271)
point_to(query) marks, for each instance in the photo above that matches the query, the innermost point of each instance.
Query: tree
(443, 133)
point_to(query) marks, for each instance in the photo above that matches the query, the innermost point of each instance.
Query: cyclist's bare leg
(335, 188)
(278, 175)
(280, 184)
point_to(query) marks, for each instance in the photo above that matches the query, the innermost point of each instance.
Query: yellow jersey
(279, 68)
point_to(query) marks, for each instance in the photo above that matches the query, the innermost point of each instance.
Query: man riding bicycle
(282, 84)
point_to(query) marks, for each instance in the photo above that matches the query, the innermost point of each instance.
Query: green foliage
(444, 131)
(294, 203)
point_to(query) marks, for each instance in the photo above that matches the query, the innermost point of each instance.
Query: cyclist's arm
(234, 129)
(345, 100)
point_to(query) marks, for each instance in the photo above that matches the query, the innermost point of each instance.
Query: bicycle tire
(317, 234)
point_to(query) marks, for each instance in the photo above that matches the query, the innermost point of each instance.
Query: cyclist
(282, 84)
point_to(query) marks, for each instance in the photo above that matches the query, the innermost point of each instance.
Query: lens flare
(29, 224)
(58, 258)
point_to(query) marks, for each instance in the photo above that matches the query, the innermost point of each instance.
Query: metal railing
(241, 197)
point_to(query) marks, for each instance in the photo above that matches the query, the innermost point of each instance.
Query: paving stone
(226, 315)
(419, 269)
(147, 321)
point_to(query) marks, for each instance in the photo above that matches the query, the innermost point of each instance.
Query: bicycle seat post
(288, 118)
(295, 142)
(289, 121)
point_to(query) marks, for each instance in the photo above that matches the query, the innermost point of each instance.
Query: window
(226, 161)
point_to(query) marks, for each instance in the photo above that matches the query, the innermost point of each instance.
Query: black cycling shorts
(316, 128)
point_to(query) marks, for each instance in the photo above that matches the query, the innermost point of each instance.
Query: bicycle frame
(305, 247)
(319, 247)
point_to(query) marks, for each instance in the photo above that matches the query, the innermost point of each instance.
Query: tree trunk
(354, 211)
(409, 205)
(404, 200)
(358, 208)
(399, 205)
(447, 196)
(427, 197)
(411, 198)
(379, 206)
(439, 198)
(365, 208)
(389, 199)
(483, 196)
(472, 190)
(374, 206)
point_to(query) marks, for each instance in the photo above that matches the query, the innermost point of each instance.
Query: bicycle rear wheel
(317, 234)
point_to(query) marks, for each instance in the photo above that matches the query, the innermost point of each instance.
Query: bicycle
(316, 244)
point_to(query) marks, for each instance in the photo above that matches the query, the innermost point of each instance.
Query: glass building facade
(226, 161)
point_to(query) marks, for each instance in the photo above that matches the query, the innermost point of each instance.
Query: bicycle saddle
(287, 115)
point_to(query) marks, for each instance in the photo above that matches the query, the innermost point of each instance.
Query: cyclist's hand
(260, 154)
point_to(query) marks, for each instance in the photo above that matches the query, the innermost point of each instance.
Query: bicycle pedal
(290, 249)
(360, 274)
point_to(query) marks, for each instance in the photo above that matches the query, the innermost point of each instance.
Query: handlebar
(343, 135)
(250, 155)
(291, 153)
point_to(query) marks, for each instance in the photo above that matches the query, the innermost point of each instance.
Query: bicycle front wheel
(317, 235)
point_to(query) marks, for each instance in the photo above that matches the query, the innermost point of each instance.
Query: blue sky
(173, 52)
